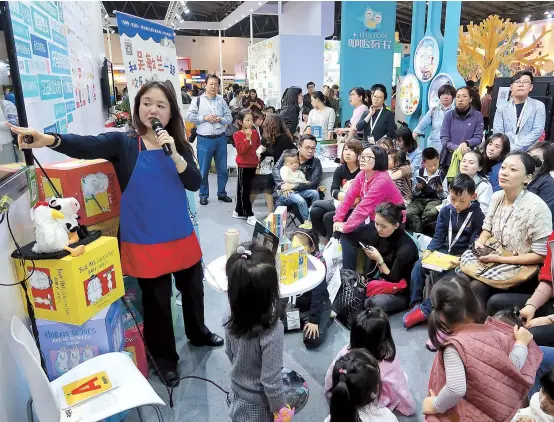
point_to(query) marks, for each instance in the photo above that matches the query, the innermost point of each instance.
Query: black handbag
(350, 297)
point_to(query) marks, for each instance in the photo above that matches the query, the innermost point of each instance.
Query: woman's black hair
(385, 140)
(290, 97)
(175, 125)
(310, 234)
(547, 164)
(390, 212)
(381, 158)
(547, 383)
(410, 143)
(447, 89)
(318, 95)
(453, 302)
(509, 316)
(489, 164)
(242, 114)
(379, 87)
(253, 290)
(305, 110)
(371, 331)
(399, 157)
(529, 163)
(253, 91)
(360, 92)
(356, 383)
(480, 160)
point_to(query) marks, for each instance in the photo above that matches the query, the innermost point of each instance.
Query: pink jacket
(394, 393)
(377, 189)
(495, 387)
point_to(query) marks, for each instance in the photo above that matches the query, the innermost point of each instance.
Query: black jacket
(340, 177)
(384, 126)
(312, 170)
(290, 115)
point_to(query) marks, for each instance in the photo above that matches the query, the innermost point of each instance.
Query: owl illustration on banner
(372, 19)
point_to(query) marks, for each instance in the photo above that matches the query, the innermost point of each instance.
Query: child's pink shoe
(284, 414)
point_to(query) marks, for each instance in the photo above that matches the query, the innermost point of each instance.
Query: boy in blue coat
(458, 226)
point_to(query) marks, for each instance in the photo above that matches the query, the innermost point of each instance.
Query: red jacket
(495, 387)
(546, 270)
(246, 149)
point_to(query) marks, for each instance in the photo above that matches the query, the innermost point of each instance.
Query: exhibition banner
(149, 54)
(264, 74)
(367, 47)
(56, 64)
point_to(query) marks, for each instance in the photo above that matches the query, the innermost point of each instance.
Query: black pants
(321, 216)
(350, 244)
(483, 291)
(543, 335)
(391, 304)
(304, 304)
(158, 322)
(244, 189)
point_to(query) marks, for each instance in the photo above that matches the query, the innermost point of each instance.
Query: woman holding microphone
(156, 234)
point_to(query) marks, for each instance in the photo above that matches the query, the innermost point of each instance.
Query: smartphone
(364, 246)
(485, 250)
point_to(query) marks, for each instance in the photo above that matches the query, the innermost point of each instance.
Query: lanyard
(507, 219)
(373, 123)
(451, 242)
(518, 123)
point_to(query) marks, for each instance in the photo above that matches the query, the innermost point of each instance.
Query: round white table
(216, 277)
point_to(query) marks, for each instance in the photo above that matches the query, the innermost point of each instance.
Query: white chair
(231, 158)
(133, 389)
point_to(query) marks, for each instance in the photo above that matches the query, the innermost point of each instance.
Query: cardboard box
(91, 182)
(65, 346)
(74, 289)
(109, 227)
(133, 340)
(292, 265)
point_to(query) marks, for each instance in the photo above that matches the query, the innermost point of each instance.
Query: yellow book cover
(86, 388)
(439, 261)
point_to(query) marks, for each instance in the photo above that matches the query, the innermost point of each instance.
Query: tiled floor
(199, 401)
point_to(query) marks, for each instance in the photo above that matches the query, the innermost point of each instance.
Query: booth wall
(14, 392)
(301, 63)
(204, 53)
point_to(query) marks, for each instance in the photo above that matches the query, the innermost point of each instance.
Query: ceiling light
(243, 16)
(106, 16)
(251, 10)
(177, 15)
(547, 12)
(187, 11)
(549, 16)
(259, 3)
(236, 20)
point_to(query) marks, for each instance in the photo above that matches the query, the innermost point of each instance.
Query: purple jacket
(456, 129)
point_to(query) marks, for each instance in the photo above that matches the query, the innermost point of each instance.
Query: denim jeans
(303, 200)
(547, 363)
(208, 149)
(391, 304)
(417, 283)
(350, 244)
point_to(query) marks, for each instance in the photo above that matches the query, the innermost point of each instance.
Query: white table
(328, 168)
(216, 277)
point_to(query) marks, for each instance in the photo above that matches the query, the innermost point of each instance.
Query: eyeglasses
(366, 157)
(522, 83)
(309, 148)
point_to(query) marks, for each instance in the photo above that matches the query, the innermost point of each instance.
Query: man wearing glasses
(522, 118)
(302, 195)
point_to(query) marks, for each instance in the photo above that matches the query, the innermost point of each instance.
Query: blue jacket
(493, 177)
(543, 187)
(456, 129)
(532, 123)
(471, 232)
(434, 118)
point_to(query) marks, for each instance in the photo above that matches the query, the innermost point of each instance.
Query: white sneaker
(240, 217)
(252, 220)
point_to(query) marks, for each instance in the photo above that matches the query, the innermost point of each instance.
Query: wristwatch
(57, 140)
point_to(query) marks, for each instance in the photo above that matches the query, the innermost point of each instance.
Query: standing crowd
(484, 202)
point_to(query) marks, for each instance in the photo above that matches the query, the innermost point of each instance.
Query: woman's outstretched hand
(39, 139)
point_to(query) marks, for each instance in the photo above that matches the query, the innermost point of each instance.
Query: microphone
(158, 127)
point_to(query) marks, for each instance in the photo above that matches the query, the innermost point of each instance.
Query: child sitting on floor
(541, 407)
(254, 336)
(430, 188)
(481, 371)
(398, 160)
(314, 306)
(371, 332)
(458, 226)
(355, 389)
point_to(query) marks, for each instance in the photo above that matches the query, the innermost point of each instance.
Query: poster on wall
(426, 59)
(331, 62)
(410, 93)
(264, 71)
(60, 75)
(149, 54)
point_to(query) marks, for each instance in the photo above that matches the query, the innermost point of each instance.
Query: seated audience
(462, 127)
(430, 188)
(435, 116)
(519, 221)
(496, 149)
(302, 195)
(537, 310)
(386, 143)
(542, 184)
(233, 128)
(268, 110)
(323, 211)
(522, 118)
(252, 101)
(357, 100)
(392, 253)
(314, 306)
(371, 186)
(355, 390)
(400, 172)
(541, 405)
(407, 143)
(378, 121)
(463, 382)
(458, 225)
(371, 332)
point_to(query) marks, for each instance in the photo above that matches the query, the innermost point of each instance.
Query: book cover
(438, 261)
(85, 389)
